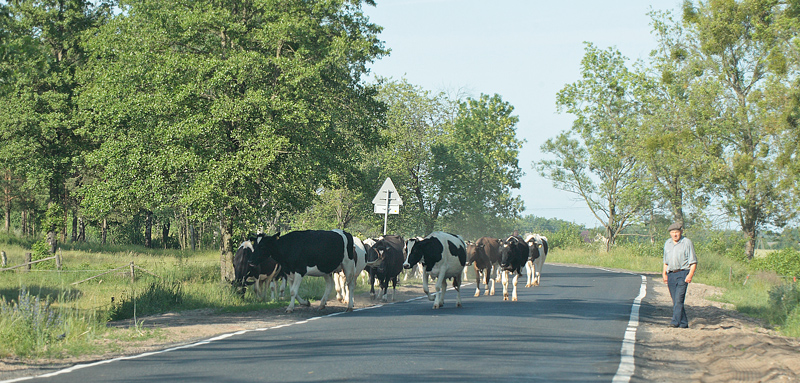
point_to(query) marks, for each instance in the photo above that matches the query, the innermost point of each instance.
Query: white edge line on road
(627, 362)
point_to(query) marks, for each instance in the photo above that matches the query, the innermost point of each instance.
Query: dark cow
(538, 253)
(477, 258)
(443, 256)
(493, 248)
(314, 253)
(513, 260)
(262, 273)
(386, 256)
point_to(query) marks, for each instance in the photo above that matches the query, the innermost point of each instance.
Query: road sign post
(387, 201)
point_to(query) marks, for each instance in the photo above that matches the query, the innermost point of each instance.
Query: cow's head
(242, 269)
(378, 255)
(474, 251)
(514, 248)
(264, 247)
(411, 256)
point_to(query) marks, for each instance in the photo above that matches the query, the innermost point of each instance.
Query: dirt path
(721, 345)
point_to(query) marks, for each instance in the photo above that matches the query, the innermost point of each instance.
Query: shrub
(28, 326)
(41, 250)
(785, 262)
(784, 303)
(158, 297)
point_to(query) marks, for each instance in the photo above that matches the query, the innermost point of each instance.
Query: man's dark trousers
(677, 289)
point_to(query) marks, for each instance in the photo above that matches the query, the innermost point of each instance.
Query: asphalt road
(570, 329)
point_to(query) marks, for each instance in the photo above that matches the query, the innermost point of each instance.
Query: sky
(523, 50)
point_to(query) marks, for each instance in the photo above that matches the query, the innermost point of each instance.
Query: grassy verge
(45, 314)
(758, 294)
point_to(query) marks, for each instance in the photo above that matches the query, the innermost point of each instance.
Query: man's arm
(664, 273)
(689, 276)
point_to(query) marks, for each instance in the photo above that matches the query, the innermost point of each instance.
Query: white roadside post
(387, 201)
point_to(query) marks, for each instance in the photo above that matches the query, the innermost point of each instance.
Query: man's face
(675, 235)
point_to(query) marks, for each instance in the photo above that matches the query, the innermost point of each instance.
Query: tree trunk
(52, 241)
(81, 230)
(226, 252)
(8, 218)
(74, 227)
(23, 217)
(148, 229)
(165, 232)
(103, 231)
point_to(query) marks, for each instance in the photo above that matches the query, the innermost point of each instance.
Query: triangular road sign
(387, 191)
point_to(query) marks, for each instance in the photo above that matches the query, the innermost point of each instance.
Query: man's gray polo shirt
(679, 256)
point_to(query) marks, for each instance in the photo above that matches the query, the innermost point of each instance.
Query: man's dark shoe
(672, 325)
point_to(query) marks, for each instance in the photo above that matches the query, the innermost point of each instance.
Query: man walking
(680, 263)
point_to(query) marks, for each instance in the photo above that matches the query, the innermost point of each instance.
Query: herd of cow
(339, 257)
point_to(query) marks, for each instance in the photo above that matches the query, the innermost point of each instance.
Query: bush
(785, 262)
(784, 303)
(41, 250)
(567, 236)
(28, 326)
(158, 297)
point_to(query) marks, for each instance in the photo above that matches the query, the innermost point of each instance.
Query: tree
(234, 111)
(42, 52)
(416, 122)
(676, 104)
(741, 46)
(481, 160)
(595, 159)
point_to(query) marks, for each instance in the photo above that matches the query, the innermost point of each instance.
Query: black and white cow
(314, 253)
(340, 280)
(513, 260)
(386, 259)
(262, 273)
(443, 256)
(538, 253)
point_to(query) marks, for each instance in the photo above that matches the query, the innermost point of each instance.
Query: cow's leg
(293, 292)
(477, 281)
(486, 277)
(529, 273)
(384, 288)
(457, 286)
(540, 268)
(505, 285)
(350, 276)
(495, 275)
(514, 294)
(441, 287)
(328, 288)
(372, 284)
(394, 286)
(342, 292)
(425, 286)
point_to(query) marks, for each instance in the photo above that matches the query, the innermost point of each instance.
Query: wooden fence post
(133, 276)
(28, 261)
(58, 260)
(4, 259)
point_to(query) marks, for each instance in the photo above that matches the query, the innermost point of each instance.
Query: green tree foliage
(416, 122)
(594, 159)
(677, 104)
(479, 164)
(453, 162)
(42, 50)
(231, 110)
(740, 46)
